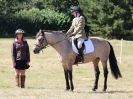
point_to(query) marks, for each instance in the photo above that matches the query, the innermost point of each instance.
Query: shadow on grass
(91, 92)
(108, 92)
(45, 88)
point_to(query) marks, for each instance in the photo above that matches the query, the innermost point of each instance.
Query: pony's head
(41, 42)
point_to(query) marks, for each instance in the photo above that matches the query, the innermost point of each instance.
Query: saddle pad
(89, 47)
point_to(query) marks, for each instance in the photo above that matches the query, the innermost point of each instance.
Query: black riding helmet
(74, 8)
(19, 31)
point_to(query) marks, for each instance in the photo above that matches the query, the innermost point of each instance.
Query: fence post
(121, 51)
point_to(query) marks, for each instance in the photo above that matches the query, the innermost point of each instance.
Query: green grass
(45, 79)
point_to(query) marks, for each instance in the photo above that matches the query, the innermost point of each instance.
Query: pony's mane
(50, 31)
(54, 32)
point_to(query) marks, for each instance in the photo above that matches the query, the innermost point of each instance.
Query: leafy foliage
(107, 18)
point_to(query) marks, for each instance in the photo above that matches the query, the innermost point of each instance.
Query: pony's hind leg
(104, 63)
(97, 73)
(71, 79)
(67, 79)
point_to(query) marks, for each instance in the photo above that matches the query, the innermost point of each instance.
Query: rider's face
(74, 13)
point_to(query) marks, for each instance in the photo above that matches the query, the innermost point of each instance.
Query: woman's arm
(13, 52)
(28, 53)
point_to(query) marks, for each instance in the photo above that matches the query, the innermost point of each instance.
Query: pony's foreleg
(97, 73)
(105, 75)
(67, 79)
(71, 79)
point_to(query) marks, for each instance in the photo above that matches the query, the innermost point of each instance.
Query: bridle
(41, 46)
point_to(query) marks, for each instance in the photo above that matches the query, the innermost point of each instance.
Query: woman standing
(20, 57)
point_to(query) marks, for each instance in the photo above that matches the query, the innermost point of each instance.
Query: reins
(43, 32)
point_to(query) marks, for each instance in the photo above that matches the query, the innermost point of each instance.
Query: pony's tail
(113, 63)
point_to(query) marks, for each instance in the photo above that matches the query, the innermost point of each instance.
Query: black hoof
(72, 89)
(93, 89)
(67, 89)
(104, 90)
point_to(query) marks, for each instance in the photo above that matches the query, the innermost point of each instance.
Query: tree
(108, 18)
(111, 18)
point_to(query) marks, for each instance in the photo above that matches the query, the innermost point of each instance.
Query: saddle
(80, 56)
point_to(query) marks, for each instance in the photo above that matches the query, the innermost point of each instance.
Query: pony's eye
(39, 38)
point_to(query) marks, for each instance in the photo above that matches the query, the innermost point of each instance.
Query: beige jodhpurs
(80, 42)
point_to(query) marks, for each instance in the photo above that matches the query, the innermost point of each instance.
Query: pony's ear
(40, 31)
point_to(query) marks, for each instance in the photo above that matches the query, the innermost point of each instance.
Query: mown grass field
(45, 78)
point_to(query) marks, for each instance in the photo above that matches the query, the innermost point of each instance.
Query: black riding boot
(81, 54)
(79, 58)
(17, 80)
(22, 81)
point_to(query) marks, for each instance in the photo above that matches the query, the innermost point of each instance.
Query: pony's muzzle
(35, 51)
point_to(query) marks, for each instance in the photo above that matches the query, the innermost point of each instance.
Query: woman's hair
(81, 13)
